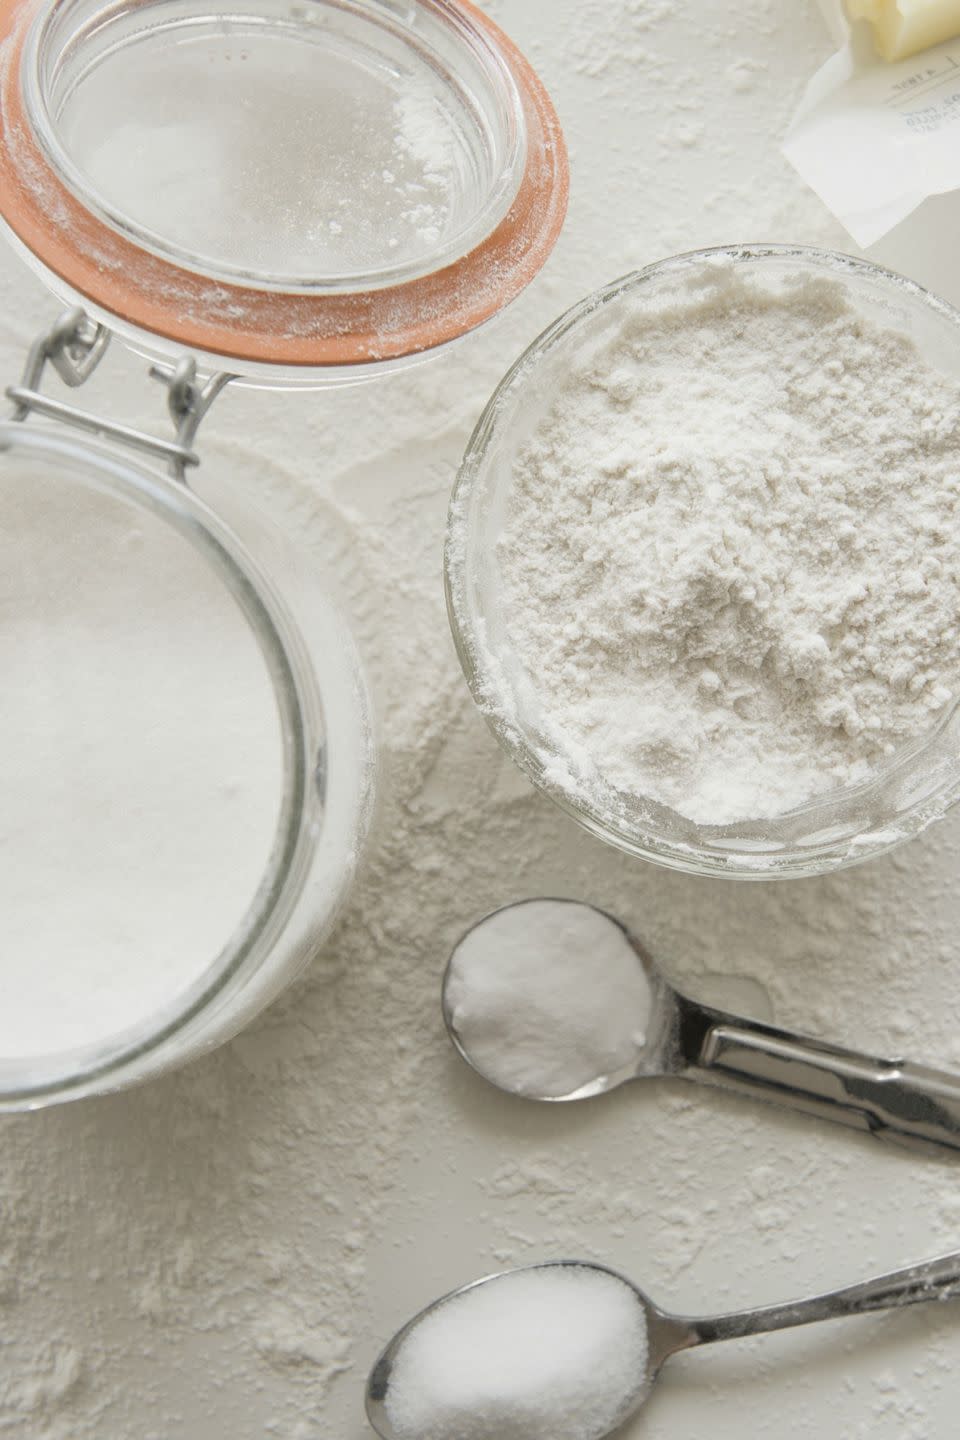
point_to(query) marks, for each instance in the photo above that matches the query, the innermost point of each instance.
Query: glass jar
(188, 763)
(300, 195)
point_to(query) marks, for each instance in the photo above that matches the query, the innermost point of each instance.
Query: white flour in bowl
(730, 560)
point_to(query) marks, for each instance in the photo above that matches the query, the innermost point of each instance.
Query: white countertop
(221, 1253)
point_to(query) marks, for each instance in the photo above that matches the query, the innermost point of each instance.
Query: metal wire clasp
(74, 346)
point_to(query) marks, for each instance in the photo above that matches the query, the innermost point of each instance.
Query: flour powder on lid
(552, 1353)
(547, 996)
(731, 560)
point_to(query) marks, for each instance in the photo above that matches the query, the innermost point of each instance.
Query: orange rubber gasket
(268, 326)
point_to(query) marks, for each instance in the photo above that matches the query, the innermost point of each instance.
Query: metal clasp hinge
(74, 346)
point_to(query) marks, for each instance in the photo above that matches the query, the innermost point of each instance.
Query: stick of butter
(902, 27)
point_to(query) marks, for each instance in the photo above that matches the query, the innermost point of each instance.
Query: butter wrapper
(875, 139)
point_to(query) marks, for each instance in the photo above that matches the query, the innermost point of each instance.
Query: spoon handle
(893, 1099)
(931, 1280)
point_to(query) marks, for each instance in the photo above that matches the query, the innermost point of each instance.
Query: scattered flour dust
(731, 557)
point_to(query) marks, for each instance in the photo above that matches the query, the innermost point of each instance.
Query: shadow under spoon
(503, 991)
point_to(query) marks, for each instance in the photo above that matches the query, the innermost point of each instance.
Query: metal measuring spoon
(667, 1334)
(893, 1099)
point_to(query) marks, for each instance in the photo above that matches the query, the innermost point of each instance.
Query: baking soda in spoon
(568, 1350)
(550, 1352)
(546, 996)
(555, 1000)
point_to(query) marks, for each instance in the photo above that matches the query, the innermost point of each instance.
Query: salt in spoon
(450, 1380)
(908, 1103)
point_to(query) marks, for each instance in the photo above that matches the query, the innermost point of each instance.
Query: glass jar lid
(289, 189)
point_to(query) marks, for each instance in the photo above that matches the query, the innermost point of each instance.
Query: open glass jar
(297, 193)
(187, 757)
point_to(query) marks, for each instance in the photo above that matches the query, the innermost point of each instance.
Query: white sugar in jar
(187, 766)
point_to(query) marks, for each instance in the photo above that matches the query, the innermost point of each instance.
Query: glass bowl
(841, 827)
